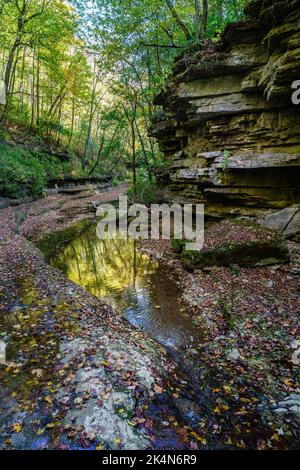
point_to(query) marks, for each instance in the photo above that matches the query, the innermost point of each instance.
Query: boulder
(286, 221)
(238, 242)
(292, 231)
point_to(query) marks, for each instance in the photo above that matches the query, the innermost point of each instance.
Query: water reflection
(118, 272)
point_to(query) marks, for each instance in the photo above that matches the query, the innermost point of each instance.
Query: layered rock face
(228, 126)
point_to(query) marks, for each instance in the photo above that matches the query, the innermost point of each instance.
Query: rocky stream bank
(78, 376)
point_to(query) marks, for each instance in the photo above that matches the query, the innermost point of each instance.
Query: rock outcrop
(228, 126)
(237, 242)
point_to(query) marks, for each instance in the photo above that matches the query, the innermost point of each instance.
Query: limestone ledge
(227, 123)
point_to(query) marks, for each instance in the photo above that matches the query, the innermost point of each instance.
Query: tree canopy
(84, 74)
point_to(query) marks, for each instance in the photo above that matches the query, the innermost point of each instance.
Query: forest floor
(249, 319)
(78, 376)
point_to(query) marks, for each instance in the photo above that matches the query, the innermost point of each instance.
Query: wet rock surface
(71, 359)
(77, 376)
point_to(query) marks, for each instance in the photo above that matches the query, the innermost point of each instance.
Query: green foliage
(86, 78)
(25, 173)
(225, 160)
(178, 245)
(226, 307)
(4, 135)
(146, 192)
(20, 219)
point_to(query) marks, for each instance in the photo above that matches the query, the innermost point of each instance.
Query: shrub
(146, 192)
(26, 172)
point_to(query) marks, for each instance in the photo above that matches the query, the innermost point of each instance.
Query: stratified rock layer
(228, 127)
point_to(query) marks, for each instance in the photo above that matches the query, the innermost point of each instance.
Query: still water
(131, 282)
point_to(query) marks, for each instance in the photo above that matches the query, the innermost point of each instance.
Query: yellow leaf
(50, 425)
(225, 407)
(199, 438)
(17, 427)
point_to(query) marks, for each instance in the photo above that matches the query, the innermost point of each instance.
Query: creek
(135, 285)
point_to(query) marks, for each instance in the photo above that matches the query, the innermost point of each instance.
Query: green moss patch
(238, 242)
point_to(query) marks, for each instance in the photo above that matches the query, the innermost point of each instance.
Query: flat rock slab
(75, 189)
(266, 160)
(238, 242)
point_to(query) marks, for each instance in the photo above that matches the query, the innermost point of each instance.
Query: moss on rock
(238, 242)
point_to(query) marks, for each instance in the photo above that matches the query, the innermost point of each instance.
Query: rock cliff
(228, 126)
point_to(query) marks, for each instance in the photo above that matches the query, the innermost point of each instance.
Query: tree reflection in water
(137, 286)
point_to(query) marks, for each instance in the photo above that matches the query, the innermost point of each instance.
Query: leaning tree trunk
(178, 20)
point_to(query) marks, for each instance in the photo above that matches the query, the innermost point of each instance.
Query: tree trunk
(11, 87)
(178, 20)
(133, 137)
(21, 96)
(88, 137)
(198, 19)
(144, 152)
(38, 82)
(33, 93)
(10, 62)
(15, 46)
(72, 121)
(98, 155)
(204, 17)
(59, 120)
